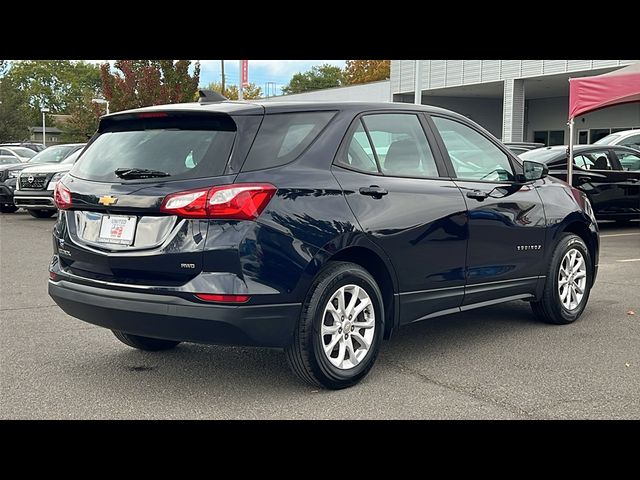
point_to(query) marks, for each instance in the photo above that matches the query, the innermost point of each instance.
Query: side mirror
(534, 170)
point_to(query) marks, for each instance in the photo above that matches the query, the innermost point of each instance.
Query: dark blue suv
(320, 228)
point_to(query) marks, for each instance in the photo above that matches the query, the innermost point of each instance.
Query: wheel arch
(582, 230)
(378, 265)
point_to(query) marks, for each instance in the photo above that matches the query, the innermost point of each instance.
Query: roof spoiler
(209, 96)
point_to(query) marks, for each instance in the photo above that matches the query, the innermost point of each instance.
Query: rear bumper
(175, 318)
(41, 200)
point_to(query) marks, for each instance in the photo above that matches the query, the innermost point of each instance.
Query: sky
(260, 71)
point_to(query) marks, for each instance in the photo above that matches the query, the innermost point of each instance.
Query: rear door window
(283, 137)
(181, 147)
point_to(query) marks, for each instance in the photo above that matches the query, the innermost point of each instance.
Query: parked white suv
(628, 138)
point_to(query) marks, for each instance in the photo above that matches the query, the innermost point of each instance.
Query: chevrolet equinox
(320, 228)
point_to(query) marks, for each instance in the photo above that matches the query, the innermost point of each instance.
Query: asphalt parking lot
(495, 363)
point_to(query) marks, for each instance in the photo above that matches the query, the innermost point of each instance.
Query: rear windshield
(183, 148)
(53, 154)
(283, 137)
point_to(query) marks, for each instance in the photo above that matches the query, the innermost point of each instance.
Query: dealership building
(516, 100)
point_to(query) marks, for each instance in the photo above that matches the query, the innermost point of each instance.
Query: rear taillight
(241, 201)
(215, 297)
(62, 196)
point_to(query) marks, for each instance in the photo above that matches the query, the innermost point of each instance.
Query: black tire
(144, 343)
(306, 356)
(550, 309)
(41, 213)
(8, 208)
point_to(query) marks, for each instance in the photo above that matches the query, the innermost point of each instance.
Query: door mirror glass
(534, 170)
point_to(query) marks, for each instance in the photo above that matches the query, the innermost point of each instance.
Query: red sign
(244, 74)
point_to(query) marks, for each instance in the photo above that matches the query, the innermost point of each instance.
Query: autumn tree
(83, 122)
(363, 71)
(320, 76)
(141, 83)
(250, 92)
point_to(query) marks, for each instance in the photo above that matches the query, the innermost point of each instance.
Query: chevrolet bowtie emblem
(107, 200)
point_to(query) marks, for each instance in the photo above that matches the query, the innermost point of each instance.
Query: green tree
(14, 111)
(250, 92)
(363, 71)
(141, 83)
(320, 76)
(56, 84)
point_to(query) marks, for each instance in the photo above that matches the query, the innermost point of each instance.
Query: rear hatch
(115, 229)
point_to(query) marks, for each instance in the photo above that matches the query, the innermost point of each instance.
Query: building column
(513, 111)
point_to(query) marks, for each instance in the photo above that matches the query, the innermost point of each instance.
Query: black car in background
(608, 174)
(319, 228)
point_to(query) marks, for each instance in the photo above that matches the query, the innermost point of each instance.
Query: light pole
(44, 110)
(101, 101)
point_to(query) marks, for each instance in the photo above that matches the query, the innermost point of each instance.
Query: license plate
(117, 229)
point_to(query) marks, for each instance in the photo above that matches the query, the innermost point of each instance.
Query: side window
(283, 137)
(628, 161)
(632, 141)
(359, 154)
(474, 157)
(581, 161)
(401, 145)
(597, 160)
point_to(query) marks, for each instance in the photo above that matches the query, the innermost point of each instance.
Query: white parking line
(629, 260)
(618, 235)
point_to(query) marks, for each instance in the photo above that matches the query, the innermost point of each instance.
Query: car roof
(255, 107)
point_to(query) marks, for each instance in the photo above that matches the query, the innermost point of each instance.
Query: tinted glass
(200, 151)
(542, 155)
(53, 154)
(283, 137)
(474, 156)
(23, 152)
(7, 160)
(629, 161)
(556, 137)
(541, 137)
(401, 145)
(72, 158)
(359, 154)
(598, 133)
(632, 141)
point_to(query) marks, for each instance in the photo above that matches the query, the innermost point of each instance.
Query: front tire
(41, 213)
(8, 208)
(568, 282)
(144, 343)
(341, 325)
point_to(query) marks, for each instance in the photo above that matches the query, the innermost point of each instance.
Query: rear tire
(341, 325)
(561, 301)
(41, 213)
(144, 343)
(8, 208)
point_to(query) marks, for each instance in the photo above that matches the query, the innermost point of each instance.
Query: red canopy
(591, 93)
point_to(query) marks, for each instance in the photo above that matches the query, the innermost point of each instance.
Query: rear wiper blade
(140, 173)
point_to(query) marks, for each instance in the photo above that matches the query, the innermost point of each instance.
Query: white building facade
(516, 100)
